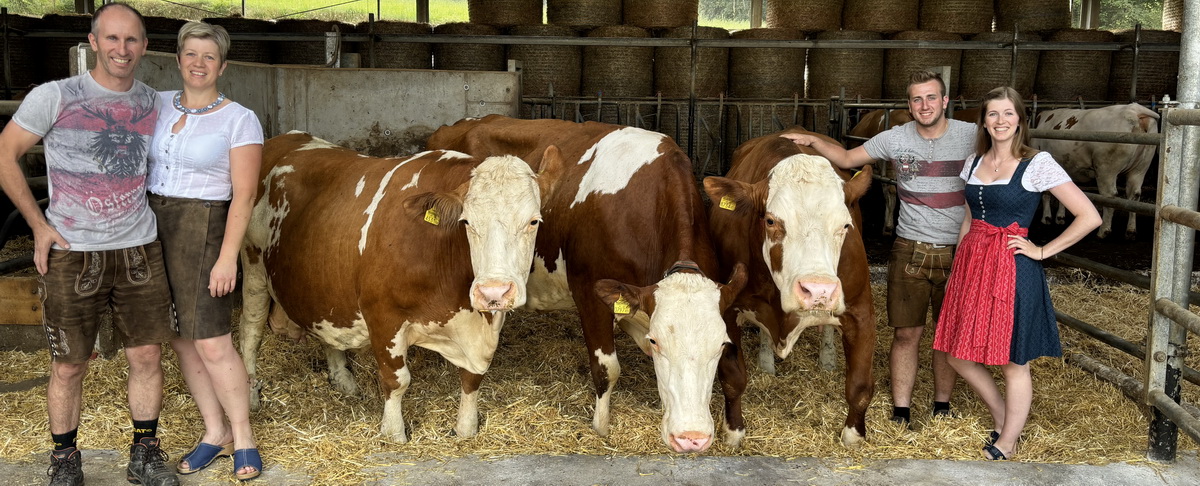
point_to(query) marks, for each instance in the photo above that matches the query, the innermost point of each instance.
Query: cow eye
(465, 222)
(770, 221)
(652, 341)
(846, 227)
(534, 222)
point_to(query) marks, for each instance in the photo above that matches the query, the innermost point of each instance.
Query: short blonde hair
(201, 30)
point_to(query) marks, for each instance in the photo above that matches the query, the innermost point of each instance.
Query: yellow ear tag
(727, 203)
(431, 217)
(621, 306)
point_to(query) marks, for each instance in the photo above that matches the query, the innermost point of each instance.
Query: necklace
(196, 111)
(996, 166)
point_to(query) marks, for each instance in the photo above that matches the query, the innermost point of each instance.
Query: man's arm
(15, 141)
(846, 159)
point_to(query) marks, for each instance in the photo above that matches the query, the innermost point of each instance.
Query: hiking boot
(147, 464)
(66, 468)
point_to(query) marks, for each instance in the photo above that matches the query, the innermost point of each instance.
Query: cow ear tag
(621, 306)
(431, 217)
(727, 203)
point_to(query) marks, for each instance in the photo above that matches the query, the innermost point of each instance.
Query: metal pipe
(1183, 116)
(1116, 342)
(16, 264)
(1178, 314)
(1178, 215)
(1177, 414)
(1144, 209)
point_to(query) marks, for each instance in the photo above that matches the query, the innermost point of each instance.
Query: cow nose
(816, 294)
(494, 295)
(691, 442)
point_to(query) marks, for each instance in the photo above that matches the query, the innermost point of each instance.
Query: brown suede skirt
(191, 231)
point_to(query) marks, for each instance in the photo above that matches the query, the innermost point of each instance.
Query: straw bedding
(538, 399)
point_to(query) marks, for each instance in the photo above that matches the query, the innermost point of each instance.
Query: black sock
(65, 440)
(144, 428)
(938, 406)
(901, 413)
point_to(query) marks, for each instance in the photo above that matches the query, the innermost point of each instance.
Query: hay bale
(1157, 72)
(1033, 15)
(468, 57)
(23, 52)
(249, 50)
(984, 70)
(886, 16)
(307, 52)
(766, 72)
(1172, 16)
(1067, 75)
(620, 71)
(859, 71)
(672, 65)
(398, 55)
(901, 63)
(655, 14)
(957, 16)
(544, 65)
(54, 51)
(164, 26)
(808, 16)
(505, 13)
(583, 13)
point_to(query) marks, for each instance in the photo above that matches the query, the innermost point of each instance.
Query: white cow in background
(1102, 162)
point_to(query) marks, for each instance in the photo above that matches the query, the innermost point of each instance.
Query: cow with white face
(363, 251)
(794, 221)
(627, 224)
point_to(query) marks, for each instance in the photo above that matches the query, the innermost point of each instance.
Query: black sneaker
(944, 413)
(66, 468)
(147, 465)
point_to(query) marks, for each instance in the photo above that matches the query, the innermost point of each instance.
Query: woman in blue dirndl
(997, 309)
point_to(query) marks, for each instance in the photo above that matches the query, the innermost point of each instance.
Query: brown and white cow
(794, 221)
(626, 224)
(428, 250)
(1098, 161)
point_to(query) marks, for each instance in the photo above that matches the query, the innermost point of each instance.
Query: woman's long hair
(1021, 142)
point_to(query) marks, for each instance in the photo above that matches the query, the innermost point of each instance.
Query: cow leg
(731, 371)
(1046, 209)
(468, 404)
(599, 336)
(766, 355)
(339, 373)
(1133, 192)
(1107, 184)
(394, 379)
(889, 200)
(858, 343)
(256, 303)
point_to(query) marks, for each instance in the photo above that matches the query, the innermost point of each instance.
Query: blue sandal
(202, 456)
(247, 457)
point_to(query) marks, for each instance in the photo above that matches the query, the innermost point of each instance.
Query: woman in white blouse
(204, 163)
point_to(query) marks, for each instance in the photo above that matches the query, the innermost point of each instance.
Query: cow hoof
(344, 383)
(850, 437)
(1102, 233)
(601, 429)
(1130, 236)
(255, 395)
(1060, 221)
(1045, 221)
(733, 438)
(468, 429)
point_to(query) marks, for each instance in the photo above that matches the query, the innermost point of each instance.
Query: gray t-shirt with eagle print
(927, 178)
(96, 143)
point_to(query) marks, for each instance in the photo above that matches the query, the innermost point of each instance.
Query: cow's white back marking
(362, 181)
(370, 211)
(314, 144)
(615, 158)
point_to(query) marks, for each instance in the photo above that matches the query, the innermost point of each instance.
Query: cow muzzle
(818, 294)
(691, 442)
(494, 295)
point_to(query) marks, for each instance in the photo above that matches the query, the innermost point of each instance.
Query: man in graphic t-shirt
(927, 155)
(96, 246)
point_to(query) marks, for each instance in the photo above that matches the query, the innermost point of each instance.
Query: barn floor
(106, 467)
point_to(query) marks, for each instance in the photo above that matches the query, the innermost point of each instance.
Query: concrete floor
(108, 468)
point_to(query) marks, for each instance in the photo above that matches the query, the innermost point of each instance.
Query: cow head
(500, 206)
(803, 207)
(686, 339)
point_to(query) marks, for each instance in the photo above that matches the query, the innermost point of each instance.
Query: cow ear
(550, 172)
(730, 195)
(624, 299)
(858, 185)
(730, 291)
(437, 208)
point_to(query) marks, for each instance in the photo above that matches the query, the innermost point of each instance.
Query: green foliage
(1124, 14)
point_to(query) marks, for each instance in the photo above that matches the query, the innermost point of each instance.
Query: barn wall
(379, 111)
